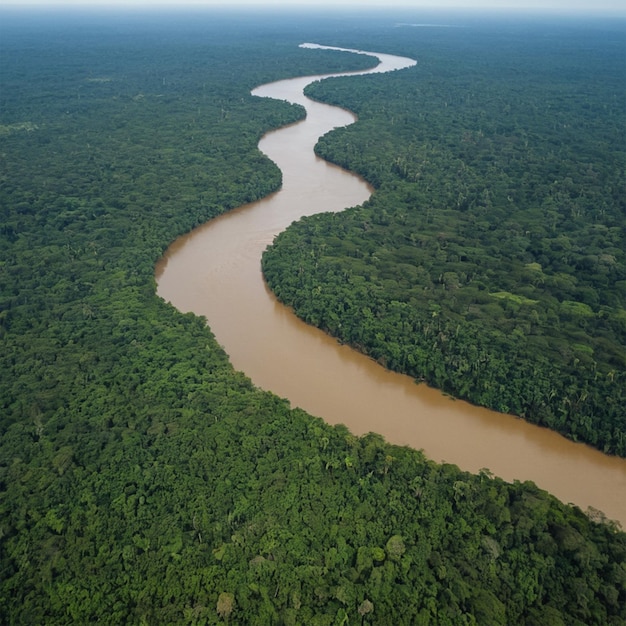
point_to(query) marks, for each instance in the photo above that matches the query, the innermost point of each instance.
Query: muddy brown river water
(215, 271)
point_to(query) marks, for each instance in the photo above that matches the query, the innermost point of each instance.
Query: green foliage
(491, 260)
(142, 479)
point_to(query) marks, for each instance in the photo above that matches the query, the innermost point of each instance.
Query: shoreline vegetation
(142, 479)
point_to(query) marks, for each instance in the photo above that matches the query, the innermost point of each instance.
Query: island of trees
(491, 261)
(142, 479)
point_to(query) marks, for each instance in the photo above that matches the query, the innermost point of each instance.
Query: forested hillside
(491, 261)
(142, 479)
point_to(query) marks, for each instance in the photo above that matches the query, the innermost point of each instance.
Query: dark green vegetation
(491, 261)
(142, 480)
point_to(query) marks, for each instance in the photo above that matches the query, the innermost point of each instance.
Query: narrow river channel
(215, 271)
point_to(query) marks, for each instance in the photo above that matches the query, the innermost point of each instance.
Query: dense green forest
(142, 479)
(491, 261)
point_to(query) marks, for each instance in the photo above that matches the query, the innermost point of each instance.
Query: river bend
(215, 271)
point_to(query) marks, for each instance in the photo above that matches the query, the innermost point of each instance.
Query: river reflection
(215, 271)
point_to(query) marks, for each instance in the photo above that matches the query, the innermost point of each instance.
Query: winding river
(215, 271)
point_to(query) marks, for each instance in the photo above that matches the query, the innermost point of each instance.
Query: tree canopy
(142, 479)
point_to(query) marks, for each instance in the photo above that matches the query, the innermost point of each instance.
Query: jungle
(145, 481)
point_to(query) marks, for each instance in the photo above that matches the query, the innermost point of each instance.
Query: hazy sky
(560, 6)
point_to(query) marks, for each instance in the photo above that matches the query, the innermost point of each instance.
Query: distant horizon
(606, 8)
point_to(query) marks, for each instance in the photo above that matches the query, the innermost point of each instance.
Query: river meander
(215, 271)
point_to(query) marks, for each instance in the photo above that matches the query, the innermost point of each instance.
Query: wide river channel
(215, 271)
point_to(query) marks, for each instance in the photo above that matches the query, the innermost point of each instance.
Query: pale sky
(535, 6)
